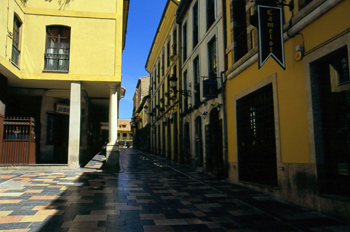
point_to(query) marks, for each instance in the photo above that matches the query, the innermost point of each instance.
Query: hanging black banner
(270, 35)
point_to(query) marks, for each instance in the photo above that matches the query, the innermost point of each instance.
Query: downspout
(224, 118)
(9, 34)
(223, 85)
(179, 58)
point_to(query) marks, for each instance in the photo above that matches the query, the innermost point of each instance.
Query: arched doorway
(214, 145)
(187, 145)
(198, 143)
(168, 146)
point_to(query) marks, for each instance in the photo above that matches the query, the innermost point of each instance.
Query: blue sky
(144, 16)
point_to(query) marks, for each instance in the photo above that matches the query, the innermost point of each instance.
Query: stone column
(113, 115)
(74, 125)
(112, 151)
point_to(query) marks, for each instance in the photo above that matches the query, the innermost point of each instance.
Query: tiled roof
(124, 122)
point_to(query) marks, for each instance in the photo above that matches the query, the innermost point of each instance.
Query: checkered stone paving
(149, 193)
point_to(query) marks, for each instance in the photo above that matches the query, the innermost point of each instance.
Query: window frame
(212, 61)
(196, 81)
(56, 50)
(184, 42)
(16, 39)
(195, 25)
(210, 13)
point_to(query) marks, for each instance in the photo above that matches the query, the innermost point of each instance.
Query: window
(168, 54)
(163, 63)
(162, 95)
(185, 90)
(174, 41)
(212, 58)
(210, 13)
(239, 30)
(154, 78)
(57, 48)
(15, 40)
(158, 72)
(195, 24)
(303, 3)
(184, 47)
(124, 135)
(196, 80)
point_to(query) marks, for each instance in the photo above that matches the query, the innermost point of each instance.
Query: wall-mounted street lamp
(204, 114)
(173, 85)
(145, 108)
(122, 92)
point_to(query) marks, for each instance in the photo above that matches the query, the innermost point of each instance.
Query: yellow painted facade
(317, 27)
(91, 58)
(96, 29)
(162, 63)
(291, 86)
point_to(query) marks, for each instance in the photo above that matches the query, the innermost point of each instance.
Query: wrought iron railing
(56, 62)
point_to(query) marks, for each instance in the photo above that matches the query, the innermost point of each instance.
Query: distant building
(163, 66)
(141, 119)
(125, 135)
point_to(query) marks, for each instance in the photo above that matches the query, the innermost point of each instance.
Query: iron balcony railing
(56, 62)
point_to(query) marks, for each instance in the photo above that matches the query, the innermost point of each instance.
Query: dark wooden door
(256, 137)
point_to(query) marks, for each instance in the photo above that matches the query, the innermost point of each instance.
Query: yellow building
(288, 130)
(60, 63)
(125, 135)
(162, 64)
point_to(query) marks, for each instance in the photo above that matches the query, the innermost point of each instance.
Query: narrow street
(148, 194)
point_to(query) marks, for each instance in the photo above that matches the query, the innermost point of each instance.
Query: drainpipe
(222, 75)
(7, 27)
(224, 118)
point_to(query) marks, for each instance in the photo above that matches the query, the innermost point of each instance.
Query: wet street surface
(149, 193)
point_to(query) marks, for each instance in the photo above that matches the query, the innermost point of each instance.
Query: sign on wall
(62, 109)
(270, 22)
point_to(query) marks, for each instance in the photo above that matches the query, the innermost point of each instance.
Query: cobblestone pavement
(148, 194)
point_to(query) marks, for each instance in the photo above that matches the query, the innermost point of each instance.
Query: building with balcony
(201, 65)
(163, 66)
(60, 64)
(125, 135)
